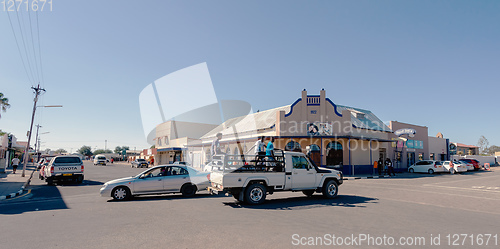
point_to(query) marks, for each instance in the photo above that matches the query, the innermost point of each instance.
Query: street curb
(366, 177)
(18, 193)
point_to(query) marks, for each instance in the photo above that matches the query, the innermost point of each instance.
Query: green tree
(85, 150)
(492, 149)
(101, 151)
(119, 149)
(61, 151)
(4, 103)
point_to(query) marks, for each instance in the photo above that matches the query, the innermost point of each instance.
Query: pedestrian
(15, 164)
(260, 149)
(380, 165)
(390, 168)
(152, 161)
(112, 160)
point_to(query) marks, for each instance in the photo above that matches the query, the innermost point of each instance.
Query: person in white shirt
(15, 163)
(260, 149)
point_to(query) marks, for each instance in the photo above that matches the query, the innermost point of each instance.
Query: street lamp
(26, 151)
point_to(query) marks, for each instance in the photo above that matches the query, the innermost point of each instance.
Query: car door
(150, 182)
(175, 177)
(303, 174)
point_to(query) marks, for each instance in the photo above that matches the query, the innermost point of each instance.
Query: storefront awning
(169, 149)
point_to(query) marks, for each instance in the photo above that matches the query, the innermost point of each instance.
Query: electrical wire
(33, 45)
(39, 50)
(24, 43)
(19, 50)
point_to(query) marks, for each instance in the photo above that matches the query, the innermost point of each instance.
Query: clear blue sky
(432, 63)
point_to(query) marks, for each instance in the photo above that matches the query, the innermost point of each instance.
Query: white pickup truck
(251, 180)
(63, 168)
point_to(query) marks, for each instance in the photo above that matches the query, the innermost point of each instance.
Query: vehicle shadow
(163, 197)
(84, 183)
(40, 198)
(304, 202)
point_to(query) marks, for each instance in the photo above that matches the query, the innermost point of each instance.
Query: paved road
(75, 216)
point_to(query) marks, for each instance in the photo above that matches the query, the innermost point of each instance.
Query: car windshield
(67, 160)
(141, 160)
(101, 158)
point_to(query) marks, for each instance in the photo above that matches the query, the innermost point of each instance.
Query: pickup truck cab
(63, 168)
(251, 180)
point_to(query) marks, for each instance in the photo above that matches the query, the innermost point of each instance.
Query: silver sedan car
(161, 179)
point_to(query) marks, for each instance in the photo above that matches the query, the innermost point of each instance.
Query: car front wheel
(121, 193)
(330, 189)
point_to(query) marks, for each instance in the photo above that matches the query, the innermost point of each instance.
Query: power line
(19, 50)
(24, 43)
(39, 49)
(33, 45)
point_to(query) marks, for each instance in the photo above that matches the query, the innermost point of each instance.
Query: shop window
(293, 146)
(431, 156)
(334, 153)
(420, 156)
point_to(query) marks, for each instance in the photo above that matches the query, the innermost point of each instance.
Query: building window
(432, 156)
(293, 146)
(334, 153)
(420, 156)
(166, 140)
(159, 141)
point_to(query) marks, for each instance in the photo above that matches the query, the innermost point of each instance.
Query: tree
(119, 149)
(101, 151)
(4, 103)
(483, 145)
(61, 151)
(492, 149)
(85, 150)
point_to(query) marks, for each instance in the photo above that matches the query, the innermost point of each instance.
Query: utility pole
(37, 90)
(105, 145)
(37, 142)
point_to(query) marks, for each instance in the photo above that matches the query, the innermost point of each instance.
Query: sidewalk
(12, 185)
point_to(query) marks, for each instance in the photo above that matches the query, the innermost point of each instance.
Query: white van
(100, 159)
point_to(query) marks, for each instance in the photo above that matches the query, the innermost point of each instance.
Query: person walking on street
(390, 168)
(15, 164)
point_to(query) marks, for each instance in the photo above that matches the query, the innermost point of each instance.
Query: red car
(474, 162)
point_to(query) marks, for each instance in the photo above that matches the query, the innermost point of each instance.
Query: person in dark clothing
(380, 166)
(390, 168)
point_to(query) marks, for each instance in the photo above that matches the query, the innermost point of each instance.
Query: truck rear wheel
(330, 189)
(49, 181)
(255, 194)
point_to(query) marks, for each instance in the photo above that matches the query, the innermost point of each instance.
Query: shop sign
(319, 129)
(406, 131)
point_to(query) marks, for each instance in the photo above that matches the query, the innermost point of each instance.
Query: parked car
(427, 166)
(140, 163)
(474, 162)
(158, 180)
(458, 166)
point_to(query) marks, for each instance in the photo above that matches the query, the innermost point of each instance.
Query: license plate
(67, 174)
